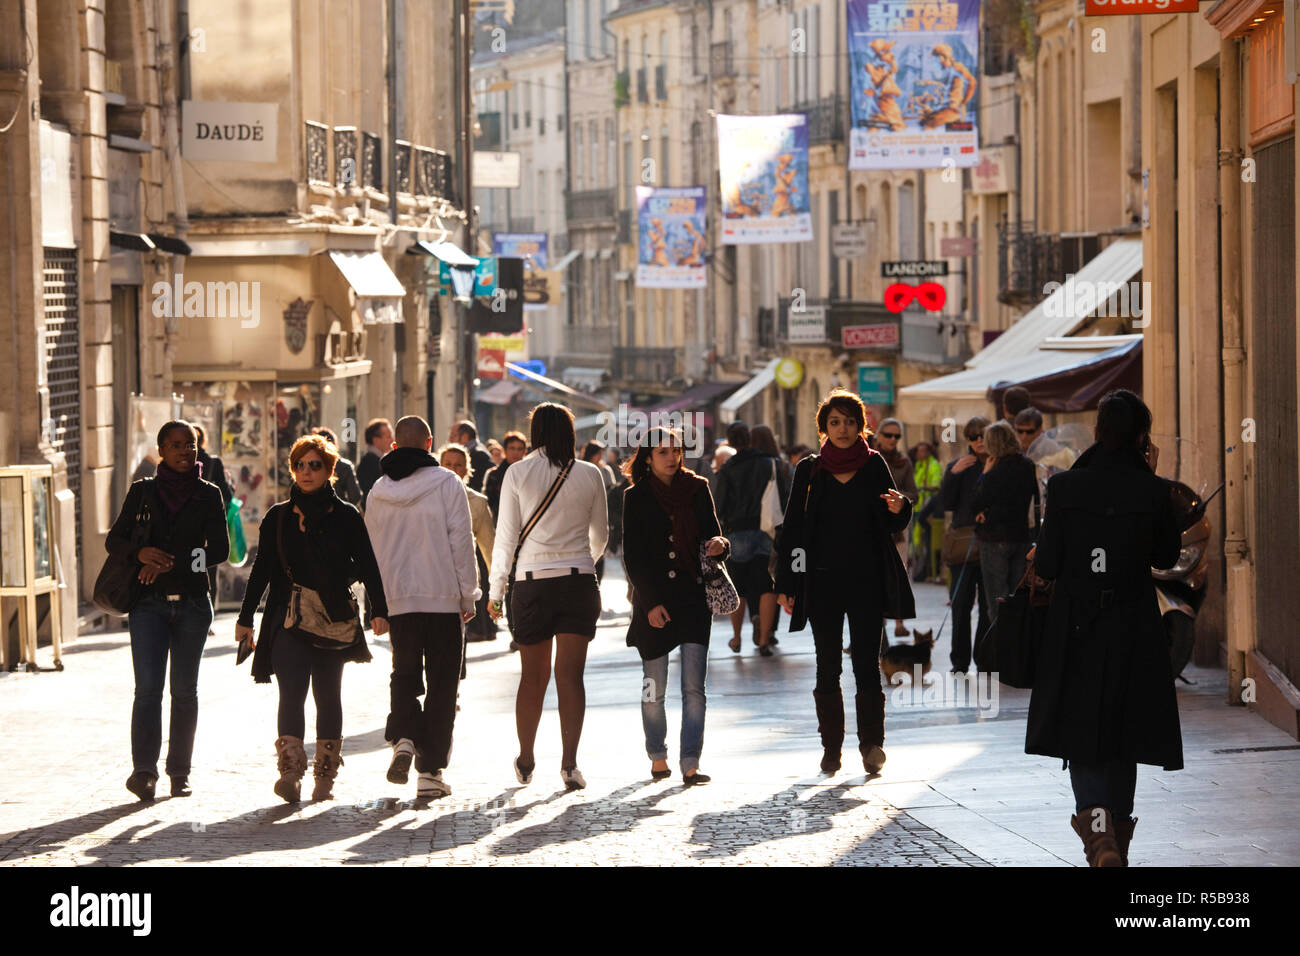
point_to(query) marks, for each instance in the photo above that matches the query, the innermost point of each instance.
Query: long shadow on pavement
(728, 832)
(609, 814)
(52, 836)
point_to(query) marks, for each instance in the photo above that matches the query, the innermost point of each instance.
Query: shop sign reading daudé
(234, 132)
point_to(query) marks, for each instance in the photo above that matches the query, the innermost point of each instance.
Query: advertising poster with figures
(533, 248)
(671, 230)
(763, 167)
(914, 68)
(248, 452)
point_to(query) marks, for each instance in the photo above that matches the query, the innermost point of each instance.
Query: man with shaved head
(419, 523)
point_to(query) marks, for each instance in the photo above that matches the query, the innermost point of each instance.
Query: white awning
(379, 292)
(761, 380)
(568, 257)
(449, 253)
(1059, 314)
(962, 395)
(502, 393)
(579, 377)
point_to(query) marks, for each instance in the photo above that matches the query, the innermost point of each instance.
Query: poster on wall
(914, 68)
(671, 230)
(521, 245)
(763, 167)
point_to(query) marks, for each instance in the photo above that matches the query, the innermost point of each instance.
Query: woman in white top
(555, 594)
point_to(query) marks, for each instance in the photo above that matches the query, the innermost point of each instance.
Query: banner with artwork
(763, 165)
(914, 68)
(671, 230)
(530, 246)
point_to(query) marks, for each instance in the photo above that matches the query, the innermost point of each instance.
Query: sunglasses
(890, 435)
(315, 464)
(974, 438)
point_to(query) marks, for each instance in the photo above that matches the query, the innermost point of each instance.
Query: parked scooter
(1180, 590)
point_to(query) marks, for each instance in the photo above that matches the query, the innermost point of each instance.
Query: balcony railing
(934, 339)
(318, 152)
(403, 166)
(592, 205)
(720, 59)
(825, 120)
(346, 172)
(372, 161)
(433, 174)
(840, 313)
(661, 81)
(1029, 260)
(642, 93)
(646, 365)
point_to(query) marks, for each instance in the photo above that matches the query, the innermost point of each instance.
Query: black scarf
(403, 462)
(177, 488)
(678, 501)
(313, 506)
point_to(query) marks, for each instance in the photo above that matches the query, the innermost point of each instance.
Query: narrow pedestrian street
(957, 789)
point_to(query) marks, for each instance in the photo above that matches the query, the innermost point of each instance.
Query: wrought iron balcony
(646, 365)
(721, 60)
(434, 174)
(372, 161)
(346, 171)
(403, 165)
(592, 205)
(825, 120)
(318, 152)
(1029, 260)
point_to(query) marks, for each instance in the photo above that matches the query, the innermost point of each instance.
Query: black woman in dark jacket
(667, 516)
(1103, 695)
(326, 548)
(836, 556)
(187, 535)
(1007, 487)
(956, 496)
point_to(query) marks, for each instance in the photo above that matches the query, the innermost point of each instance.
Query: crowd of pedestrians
(447, 543)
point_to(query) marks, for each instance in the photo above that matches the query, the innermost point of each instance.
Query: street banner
(491, 363)
(671, 237)
(914, 65)
(521, 245)
(763, 166)
(1106, 8)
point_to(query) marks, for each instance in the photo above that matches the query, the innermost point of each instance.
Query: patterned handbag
(719, 592)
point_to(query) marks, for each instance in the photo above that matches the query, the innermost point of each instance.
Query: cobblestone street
(957, 789)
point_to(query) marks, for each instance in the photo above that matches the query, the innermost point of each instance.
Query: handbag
(719, 591)
(1011, 646)
(527, 529)
(770, 513)
(306, 614)
(118, 587)
(960, 546)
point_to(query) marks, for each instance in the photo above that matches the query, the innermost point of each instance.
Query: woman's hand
(716, 546)
(1152, 455)
(964, 462)
(658, 616)
(244, 633)
(147, 574)
(893, 500)
(979, 518)
(379, 626)
(495, 609)
(989, 463)
(155, 558)
(786, 601)
(466, 616)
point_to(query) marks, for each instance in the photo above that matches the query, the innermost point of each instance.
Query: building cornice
(1233, 17)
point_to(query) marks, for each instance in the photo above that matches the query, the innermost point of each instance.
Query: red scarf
(677, 499)
(838, 460)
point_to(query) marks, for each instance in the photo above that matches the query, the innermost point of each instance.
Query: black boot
(830, 724)
(870, 707)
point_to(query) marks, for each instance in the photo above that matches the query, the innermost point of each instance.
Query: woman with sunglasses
(836, 558)
(325, 548)
(187, 520)
(1006, 489)
(668, 515)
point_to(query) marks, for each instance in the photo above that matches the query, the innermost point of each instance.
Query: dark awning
(178, 247)
(1079, 387)
(149, 242)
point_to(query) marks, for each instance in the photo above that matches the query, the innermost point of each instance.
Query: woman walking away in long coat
(1103, 696)
(836, 557)
(668, 518)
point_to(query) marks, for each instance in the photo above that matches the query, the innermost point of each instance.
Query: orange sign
(1110, 8)
(491, 363)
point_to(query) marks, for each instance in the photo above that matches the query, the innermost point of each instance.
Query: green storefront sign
(876, 384)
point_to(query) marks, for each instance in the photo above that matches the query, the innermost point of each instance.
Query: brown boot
(870, 707)
(830, 724)
(326, 768)
(1124, 836)
(1096, 828)
(292, 764)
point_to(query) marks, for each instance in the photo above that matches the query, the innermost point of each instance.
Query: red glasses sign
(930, 295)
(1110, 8)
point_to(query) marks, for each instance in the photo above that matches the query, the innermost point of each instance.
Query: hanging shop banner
(670, 229)
(914, 68)
(763, 165)
(491, 363)
(542, 288)
(1105, 8)
(875, 384)
(521, 245)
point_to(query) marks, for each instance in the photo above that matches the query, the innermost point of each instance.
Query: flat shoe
(181, 787)
(734, 644)
(142, 785)
(660, 774)
(573, 779)
(523, 777)
(695, 779)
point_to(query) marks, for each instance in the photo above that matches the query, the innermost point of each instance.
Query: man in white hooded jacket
(419, 525)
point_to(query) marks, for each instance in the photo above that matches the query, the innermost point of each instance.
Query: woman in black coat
(836, 556)
(186, 519)
(1103, 696)
(1007, 487)
(322, 540)
(668, 519)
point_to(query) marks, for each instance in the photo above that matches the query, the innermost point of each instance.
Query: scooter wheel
(1181, 631)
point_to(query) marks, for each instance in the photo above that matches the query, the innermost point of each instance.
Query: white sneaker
(399, 770)
(573, 779)
(432, 785)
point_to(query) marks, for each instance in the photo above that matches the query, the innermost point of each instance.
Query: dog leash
(957, 587)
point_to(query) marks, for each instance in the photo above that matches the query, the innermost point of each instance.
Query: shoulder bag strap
(538, 512)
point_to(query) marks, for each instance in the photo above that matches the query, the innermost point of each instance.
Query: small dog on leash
(902, 658)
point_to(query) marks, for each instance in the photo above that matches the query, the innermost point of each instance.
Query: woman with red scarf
(185, 517)
(668, 516)
(836, 557)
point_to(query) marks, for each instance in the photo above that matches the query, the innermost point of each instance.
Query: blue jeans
(693, 663)
(1002, 563)
(160, 627)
